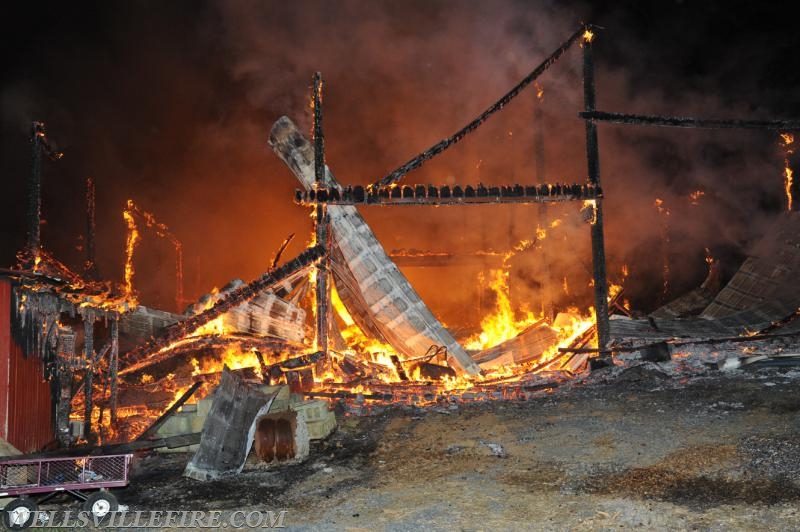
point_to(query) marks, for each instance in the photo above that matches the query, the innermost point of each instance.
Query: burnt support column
(90, 267)
(63, 402)
(113, 368)
(593, 161)
(539, 162)
(88, 354)
(323, 293)
(179, 301)
(34, 210)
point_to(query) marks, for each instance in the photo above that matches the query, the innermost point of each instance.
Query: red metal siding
(25, 398)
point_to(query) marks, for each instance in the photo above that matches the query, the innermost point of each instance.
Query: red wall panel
(26, 408)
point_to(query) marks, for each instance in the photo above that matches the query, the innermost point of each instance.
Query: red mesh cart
(34, 480)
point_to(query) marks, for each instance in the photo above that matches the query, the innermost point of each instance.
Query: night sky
(170, 103)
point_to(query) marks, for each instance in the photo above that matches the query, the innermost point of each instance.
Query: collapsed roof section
(378, 296)
(762, 295)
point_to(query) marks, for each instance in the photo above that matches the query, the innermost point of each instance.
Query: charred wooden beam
(539, 162)
(690, 122)
(90, 267)
(593, 166)
(446, 195)
(236, 297)
(441, 146)
(88, 351)
(302, 361)
(40, 147)
(153, 428)
(113, 369)
(210, 345)
(280, 251)
(433, 372)
(321, 223)
(344, 394)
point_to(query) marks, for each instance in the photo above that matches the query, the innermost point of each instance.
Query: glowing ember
(695, 196)
(589, 209)
(539, 91)
(788, 178)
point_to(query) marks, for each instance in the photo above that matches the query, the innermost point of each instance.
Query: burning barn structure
(340, 321)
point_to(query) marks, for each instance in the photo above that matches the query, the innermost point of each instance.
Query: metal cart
(35, 480)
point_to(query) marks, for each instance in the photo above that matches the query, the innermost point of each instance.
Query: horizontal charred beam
(211, 345)
(446, 195)
(234, 298)
(685, 121)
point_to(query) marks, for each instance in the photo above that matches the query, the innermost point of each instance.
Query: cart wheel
(100, 504)
(20, 513)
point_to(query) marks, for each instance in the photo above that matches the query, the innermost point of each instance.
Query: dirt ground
(619, 449)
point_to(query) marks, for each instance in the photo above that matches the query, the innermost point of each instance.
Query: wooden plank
(152, 429)
(526, 346)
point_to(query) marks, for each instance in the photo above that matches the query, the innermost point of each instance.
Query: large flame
(130, 245)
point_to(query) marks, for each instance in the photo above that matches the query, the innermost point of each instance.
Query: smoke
(172, 107)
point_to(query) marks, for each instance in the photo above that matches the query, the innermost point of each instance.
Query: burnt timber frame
(321, 223)
(386, 191)
(598, 238)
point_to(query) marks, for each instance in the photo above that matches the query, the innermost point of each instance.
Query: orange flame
(788, 177)
(130, 245)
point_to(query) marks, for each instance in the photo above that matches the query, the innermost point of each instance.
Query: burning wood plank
(527, 346)
(152, 429)
(236, 297)
(215, 344)
(376, 291)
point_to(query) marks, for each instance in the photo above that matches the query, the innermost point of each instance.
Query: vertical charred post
(539, 164)
(90, 267)
(113, 368)
(34, 211)
(179, 300)
(321, 229)
(88, 352)
(593, 165)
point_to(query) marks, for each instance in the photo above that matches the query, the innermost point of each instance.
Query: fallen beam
(197, 344)
(236, 297)
(153, 428)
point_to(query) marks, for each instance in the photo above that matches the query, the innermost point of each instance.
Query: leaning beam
(236, 297)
